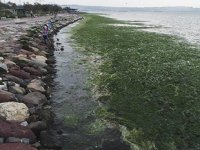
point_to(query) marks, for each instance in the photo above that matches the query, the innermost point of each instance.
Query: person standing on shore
(45, 33)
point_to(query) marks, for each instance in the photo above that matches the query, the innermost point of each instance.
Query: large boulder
(14, 111)
(35, 98)
(6, 96)
(36, 85)
(11, 129)
(16, 146)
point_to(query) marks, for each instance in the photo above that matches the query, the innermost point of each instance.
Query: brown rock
(6, 96)
(8, 129)
(33, 71)
(16, 146)
(19, 73)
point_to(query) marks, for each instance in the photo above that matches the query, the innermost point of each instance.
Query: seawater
(182, 24)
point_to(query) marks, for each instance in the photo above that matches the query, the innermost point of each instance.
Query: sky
(118, 3)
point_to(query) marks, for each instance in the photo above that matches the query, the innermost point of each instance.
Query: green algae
(152, 81)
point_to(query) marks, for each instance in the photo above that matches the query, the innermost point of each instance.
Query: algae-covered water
(73, 103)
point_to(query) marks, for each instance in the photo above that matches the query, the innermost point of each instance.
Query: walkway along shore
(25, 64)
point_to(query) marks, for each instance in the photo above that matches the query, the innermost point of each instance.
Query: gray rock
(17, 90)
(16, 80)
(35, 98)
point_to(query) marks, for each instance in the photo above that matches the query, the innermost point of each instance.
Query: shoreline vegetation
(148, 82)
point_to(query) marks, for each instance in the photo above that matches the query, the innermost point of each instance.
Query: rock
(25, 53)
(32, 62)
(36, 85)
(2, 140)
(16, 80)
(3, 67)
(11, 129)
(9, 63)
(14, 111)
(51, 139)
(33, 71)
(37, 126)
(17, 140)
(34, 49)
(38, 58)
(3, 86)
(6, 96)
(17, 90)
(47, 114)
(16, 146)
(19, 73)
(24, 123)
(35, 98)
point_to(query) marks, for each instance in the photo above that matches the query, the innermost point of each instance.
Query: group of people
(46, 29)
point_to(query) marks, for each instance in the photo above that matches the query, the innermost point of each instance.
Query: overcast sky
(120, 3)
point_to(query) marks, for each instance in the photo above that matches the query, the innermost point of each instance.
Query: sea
(183, 22)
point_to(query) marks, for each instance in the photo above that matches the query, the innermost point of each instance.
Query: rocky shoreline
(25, 66)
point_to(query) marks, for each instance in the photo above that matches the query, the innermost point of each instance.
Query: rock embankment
(25, 62)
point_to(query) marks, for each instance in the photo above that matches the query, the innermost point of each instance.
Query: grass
(152, 81)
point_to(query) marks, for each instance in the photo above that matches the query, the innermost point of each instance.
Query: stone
(38, 58)
(35, 98)
(37, 126)
(9, 63)
(36, 85)
(51, 139)
(17, 90)
(14, 111)
(6, 96)
(4, 67)
(3, 86)
(16, 146)
(13, 129)
(16, 80)
(33, 71)
(19, 73)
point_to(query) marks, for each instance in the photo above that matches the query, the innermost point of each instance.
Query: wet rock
(16, 80)
(35, 98)
(19, 73)
(14, 111)
(16, 146)
(36, 85)
(17, 90)
(46, 114)
(37, 126)
(6, 96)
(11, 129)
(51, 139)
(33, 71)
